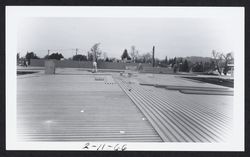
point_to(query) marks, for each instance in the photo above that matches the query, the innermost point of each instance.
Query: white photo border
(16, 13)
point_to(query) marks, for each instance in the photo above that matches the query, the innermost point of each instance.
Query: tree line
(219, 61)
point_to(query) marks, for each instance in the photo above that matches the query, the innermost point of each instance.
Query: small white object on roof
(48, 121)
(122, 132)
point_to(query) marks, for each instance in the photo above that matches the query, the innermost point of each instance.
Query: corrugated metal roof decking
(178, 117)
(78, 108)
(61, 108)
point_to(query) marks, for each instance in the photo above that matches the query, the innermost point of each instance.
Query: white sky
(171, 37)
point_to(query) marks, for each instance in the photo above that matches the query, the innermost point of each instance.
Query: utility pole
(153, 56)
(76, 50)
(48, 53)
(94, 56)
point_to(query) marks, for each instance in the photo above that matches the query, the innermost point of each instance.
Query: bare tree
(134, 53)
(218, 60)
(222, 60)
(96, 52)
(105, 55)
(228, 59)
(147, 57)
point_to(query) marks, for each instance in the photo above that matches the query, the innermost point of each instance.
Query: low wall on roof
(87, 64)
(157, 70)
(73, 64)
(110, 65)
(62, 63)
(37, 62)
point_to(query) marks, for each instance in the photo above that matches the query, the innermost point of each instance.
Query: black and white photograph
(125, 78)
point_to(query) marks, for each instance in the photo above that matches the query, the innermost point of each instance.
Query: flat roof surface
(76, 105)
(180, 117)
(78, 108)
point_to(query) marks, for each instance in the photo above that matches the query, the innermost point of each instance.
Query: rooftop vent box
(50, 67)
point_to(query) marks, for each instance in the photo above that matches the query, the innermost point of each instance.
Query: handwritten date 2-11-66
(115, 147)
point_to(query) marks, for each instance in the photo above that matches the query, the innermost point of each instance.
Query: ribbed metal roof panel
(78, 108)
(179, 117)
